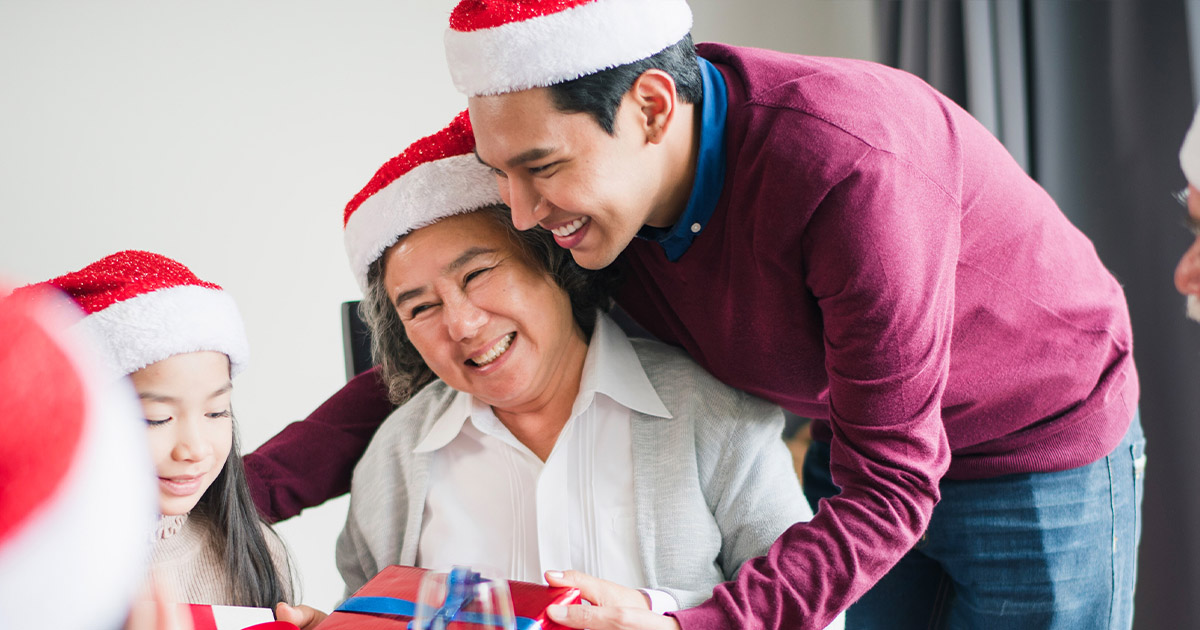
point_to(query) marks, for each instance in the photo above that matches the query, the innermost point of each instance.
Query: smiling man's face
(562, 171)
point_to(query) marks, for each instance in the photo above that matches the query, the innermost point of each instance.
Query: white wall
(835, 28)
(230, 135)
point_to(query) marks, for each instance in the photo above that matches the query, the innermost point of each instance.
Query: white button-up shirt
(493, 503)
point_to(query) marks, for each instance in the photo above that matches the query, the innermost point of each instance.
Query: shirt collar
(710, 170)
(611, 368)
(448, 425)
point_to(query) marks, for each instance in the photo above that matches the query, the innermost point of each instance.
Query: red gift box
(399, 585)
(206, 617)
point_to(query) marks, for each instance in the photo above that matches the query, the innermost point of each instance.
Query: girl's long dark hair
(255, 581)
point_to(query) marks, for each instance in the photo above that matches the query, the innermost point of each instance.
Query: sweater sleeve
(353, 556)
(756, 494)
(311, 461)
(880, 254)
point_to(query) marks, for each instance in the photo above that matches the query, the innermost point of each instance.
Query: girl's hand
(156, 611)
(305, 617)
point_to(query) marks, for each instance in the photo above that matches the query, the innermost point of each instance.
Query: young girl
(181, 342)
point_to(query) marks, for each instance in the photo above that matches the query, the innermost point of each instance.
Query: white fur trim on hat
(558, 47)
(154, 326)
(422, 196)
(1189, 154)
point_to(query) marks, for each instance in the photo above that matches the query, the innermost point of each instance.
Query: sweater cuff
(706, 616)
(660, 601)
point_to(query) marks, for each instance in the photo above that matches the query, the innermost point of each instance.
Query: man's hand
(610, 618)
(306, 617)
(616, 607)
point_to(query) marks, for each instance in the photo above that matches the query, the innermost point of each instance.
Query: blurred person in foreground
(1187, 272)
(76, 498)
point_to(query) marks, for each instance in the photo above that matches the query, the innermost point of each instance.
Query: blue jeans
(1029, 551)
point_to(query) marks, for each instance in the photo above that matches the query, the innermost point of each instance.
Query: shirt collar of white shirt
(611, 368)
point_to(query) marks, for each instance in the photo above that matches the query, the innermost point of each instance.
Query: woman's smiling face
(484, 318)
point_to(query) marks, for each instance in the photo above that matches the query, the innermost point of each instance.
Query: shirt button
(695, 228)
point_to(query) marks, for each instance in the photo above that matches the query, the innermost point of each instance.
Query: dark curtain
(1093, 98)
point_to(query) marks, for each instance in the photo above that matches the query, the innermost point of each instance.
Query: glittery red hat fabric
(473, 15)
(124, 275)
(435, 177)
(143, 307)
(454, 139)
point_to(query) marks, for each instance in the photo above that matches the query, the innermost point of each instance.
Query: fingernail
(558, 575)
(557, 612)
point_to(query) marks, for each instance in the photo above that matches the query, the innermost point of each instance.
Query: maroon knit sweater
(877, 261)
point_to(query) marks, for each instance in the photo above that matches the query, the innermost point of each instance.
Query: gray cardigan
(715, 483)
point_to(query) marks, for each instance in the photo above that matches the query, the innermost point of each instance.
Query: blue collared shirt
(710, 170)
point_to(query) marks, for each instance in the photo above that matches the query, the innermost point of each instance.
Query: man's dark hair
(599, 94)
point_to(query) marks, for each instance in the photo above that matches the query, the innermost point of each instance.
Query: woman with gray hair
(537, 438)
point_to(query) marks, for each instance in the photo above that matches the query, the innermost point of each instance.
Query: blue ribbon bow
(460, 586)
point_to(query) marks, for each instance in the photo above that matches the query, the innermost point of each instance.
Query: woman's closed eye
(418, 309)
(155, 423)
(219, 414)
(473, 274)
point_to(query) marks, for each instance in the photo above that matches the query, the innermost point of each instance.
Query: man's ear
(654, 96)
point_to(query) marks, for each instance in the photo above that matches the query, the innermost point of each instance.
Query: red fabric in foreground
(42, 410)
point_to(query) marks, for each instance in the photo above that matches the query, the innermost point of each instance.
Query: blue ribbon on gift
(458, 594)
(460, 582)
(405, 608)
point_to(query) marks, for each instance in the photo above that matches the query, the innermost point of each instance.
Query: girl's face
(186, 403)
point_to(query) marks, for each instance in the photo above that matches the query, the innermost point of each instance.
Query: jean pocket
(1137, 452)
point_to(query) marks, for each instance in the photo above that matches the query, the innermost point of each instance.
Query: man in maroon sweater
(839, 238)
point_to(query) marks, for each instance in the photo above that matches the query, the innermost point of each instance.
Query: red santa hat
(435, 177)
(144, 307)
(499, 46)
(78, 496)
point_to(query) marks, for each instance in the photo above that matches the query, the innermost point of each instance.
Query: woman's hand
(616, 607)
(306, 617)
(599, 592)
(610, 618)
